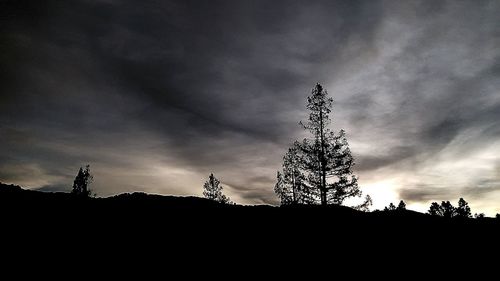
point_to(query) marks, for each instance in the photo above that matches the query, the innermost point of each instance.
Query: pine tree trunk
(322, 161)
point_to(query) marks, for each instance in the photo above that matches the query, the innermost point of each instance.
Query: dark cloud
(157, 94)
(484, 187)
(259, 197)
(423, 193)
(55, 188)
(396, 154)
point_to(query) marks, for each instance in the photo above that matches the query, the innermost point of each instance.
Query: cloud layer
(158, 94)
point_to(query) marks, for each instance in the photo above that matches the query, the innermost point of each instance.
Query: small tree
(391, 207)
(463, 210)
(82, 181)
(365, 206)
(497, 216)
(401, 206)
(479, 216)
(446, 209)
(281, 191)
(435, 209)
(213, 190)
(292, 179)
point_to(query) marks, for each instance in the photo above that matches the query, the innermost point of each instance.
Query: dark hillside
(143, 216)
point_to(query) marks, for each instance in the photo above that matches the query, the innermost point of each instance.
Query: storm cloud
(158, 94)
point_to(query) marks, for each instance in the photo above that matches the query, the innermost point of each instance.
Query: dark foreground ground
(141, 221)
(140, 236)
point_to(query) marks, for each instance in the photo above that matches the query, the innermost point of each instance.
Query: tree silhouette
(82, 181)
(435, 209)
(449, 210)
(321, 170)
(401, 206)
(365, 206)
(446, 209)
(497, 216)
(391, 207)
(281, 191)
(463, 210)
(290, 186)
(479, 216)
(213, 190)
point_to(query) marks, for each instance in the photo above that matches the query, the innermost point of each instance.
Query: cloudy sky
(155, 95)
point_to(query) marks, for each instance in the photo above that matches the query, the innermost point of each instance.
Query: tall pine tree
(324, 160)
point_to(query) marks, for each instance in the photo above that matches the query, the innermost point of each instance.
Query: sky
(156, 95)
